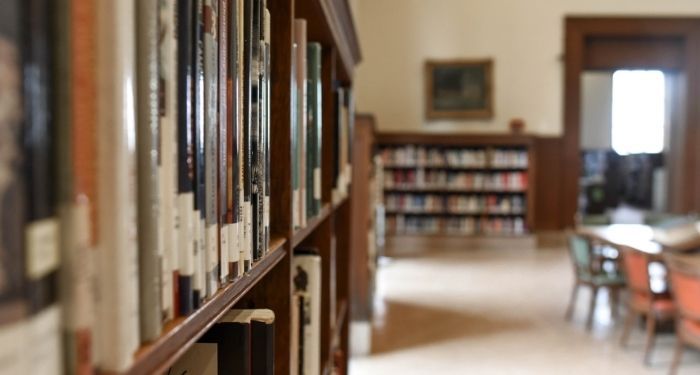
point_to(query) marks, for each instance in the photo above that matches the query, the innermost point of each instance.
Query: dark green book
(315, 118)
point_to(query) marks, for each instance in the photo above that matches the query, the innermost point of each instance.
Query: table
(636, 236)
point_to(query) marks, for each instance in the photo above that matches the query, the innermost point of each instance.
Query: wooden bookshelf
(478, 175)
(269, 283)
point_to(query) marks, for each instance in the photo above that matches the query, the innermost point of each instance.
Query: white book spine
(196, 255)
(13, 344)
(44, 350)
(212, 258)
(202, 254)
(117, 312)
(234, 244)
(224, 252)
(186, 234)
(247, 253)
(242, 237)
(311, 306)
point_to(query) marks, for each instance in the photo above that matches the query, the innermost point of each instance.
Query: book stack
(134, 171)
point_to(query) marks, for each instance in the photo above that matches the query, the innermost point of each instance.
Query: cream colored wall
(524, 37)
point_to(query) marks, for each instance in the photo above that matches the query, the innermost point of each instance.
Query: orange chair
(685, 283)
(649, 296)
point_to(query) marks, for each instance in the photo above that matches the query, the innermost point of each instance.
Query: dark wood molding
(456, 139)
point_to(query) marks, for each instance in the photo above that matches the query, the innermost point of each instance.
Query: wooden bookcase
(490, 145)
(269, 284)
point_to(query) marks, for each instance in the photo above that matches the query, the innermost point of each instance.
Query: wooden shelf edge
(181, 334)
(458, 235)
(301, 234)
(452, 191)
(448, 213)
(461, 139)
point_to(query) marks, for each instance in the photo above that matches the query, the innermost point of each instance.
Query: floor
(497, 312)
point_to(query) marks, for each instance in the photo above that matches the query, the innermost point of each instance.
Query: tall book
(187, 244)
(306, 266)
(256, 131)
(41, 231)
(117, 309)
(267, 40)
(294, 144)
(247, 138)
(302, 121)
(13, 306)
(225, 229)
(243, 221)
(168, 107)
(233, 193)
(78, 157)
(211, 144)
(201, 270)
(247, 338)
(315, 118)
(148, 158)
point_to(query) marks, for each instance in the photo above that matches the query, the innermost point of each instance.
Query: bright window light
(638, 111)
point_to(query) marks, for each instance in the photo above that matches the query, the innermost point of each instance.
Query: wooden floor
(497, 312)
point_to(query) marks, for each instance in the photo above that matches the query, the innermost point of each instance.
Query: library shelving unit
(458, 184)
(269, 283)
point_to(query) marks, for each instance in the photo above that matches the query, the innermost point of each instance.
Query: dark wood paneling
(448, 139)
(609, 53)
(548, 191)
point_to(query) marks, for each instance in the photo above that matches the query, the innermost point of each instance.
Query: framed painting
(459, 89)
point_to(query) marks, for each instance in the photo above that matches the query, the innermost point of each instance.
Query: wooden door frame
(578, 29)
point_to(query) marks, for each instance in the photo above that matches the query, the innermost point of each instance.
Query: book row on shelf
(455, 204)
(407, 224)
(431, 179)
(242, 341)
(135, 169)
(417, 156)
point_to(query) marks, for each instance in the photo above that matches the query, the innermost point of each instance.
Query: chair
(685, 283)
(649, 296)
(589, 271)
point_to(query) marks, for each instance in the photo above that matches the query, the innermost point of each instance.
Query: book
(267, 108)
(241, 145)
(255, 131)
(148, 159)
(247, 338)
(117, 270)
(247, 140)
(294, 144)
(302, 112)
(210, 151)
(168, 179)
(233, 119)
(224, 140)
(201, 288)
(200, 359)
(315, 120)
(306, 267)
(187, 240)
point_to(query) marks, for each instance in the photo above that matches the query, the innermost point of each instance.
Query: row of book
(406, 224)
(421, 156)
(448, 180)
(134, 171)
(455, 204)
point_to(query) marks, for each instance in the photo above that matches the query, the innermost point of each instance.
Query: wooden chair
(589, 271)
(685, 283)
(648, 296)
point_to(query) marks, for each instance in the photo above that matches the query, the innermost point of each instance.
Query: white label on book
(13, 346)
(234, 239)
(224, 260)
(203, 260)
(247, 254)
(201, 358)
(44, 342)
(186, 235)
(348, 173)
(317, 183)
(266, 215)
(42, 248)
(212, 257)
(295, 209)
(78, 267)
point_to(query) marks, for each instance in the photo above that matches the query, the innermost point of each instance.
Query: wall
(525, 39)
(596, 110)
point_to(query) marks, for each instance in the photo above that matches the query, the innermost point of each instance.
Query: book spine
(255, 132)
(294, 121)
(307, 287)
(169, 212)
(223, 142)
(148, 157)
(247, 139)
(350, 130)
(118, 316)
(198, 136)
(211, 149)
(240, 122)
(267, 125)
(13, 302)
(315, 121)
(302, 121)
(262, 347)
(233, 142)
(183, 289)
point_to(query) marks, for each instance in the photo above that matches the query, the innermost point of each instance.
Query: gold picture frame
(459, 89)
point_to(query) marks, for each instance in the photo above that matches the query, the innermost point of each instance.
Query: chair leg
(651, 335)
(677, 355)
(591, 308)
(615, 302)
(572, 302)
(629, 322)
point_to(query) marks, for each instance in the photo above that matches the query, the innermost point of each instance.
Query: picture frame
(459, 89)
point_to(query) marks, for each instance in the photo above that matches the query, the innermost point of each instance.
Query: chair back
(685, 283)
(636, 266)
(581, 254)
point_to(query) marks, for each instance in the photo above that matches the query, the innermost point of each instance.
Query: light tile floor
(498, 312)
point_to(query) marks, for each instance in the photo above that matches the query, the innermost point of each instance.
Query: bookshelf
(458, 184)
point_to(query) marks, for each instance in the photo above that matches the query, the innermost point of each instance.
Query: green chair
(589, 271)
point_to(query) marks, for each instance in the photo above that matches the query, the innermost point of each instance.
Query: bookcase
(458, 184)
(269, 283)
